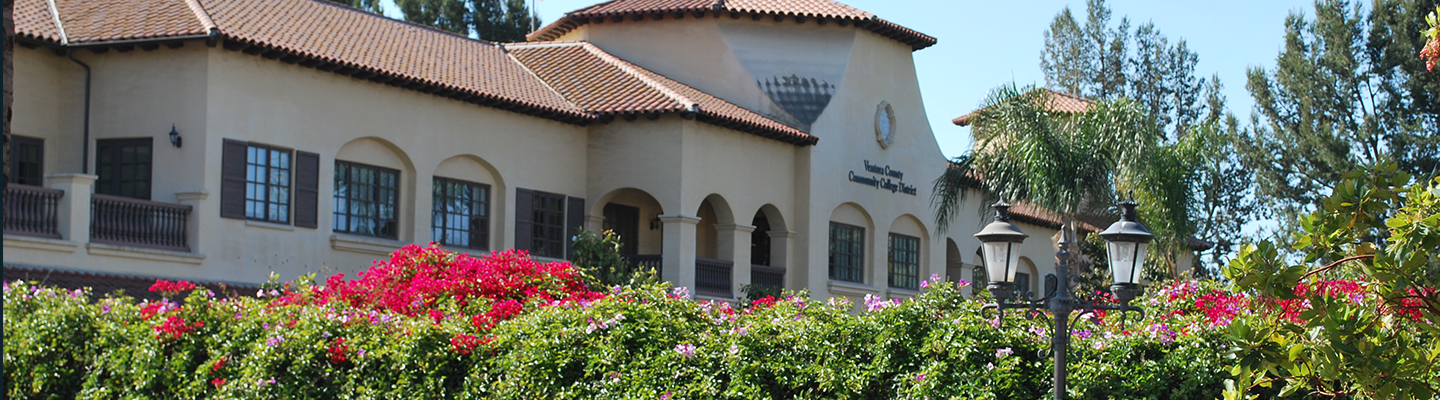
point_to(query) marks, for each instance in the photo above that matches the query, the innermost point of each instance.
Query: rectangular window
(267, 184)
(461, 214)
(904, 262)
(548, 215)
(27, 161)
(847, 252)
(367, 200)
(123, 167)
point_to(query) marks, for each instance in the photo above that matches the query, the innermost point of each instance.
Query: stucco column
(594, 223)
(782, 249)
(196, 200)
(678, 265)
(74, 207)
(734, 242)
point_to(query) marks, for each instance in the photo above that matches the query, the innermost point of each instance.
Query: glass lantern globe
(1126, 242)
(1000, 245)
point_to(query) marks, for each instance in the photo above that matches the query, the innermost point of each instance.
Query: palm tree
(1075, 164)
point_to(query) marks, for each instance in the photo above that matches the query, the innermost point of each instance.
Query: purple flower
(734, 349)
(1003, 352)
(920, 377)
(924, 284)
(665, 396)
(686, 349)
(274, 341)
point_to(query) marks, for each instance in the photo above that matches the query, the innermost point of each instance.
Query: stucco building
(729, 142)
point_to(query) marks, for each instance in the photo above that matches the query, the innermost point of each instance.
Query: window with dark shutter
(461, 214)
(548, 237)
(574, 219)
(267, 184)
(524, 218)
(367, 200)
(232, 178)
(123, 167)
(307, 189)
(27, 161)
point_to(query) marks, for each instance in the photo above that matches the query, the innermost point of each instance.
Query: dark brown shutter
(232, 179)
(574, 219)
(524, 218)
(307, 189)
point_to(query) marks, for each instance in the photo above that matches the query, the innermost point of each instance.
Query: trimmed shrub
(408, 328)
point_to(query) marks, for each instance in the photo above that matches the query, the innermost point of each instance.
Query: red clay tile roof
(34, 20)
(113, 20)
(1060, 102)
(825, 10)
(343, 40)
(102, 284)
(373, 44)
(605, 85)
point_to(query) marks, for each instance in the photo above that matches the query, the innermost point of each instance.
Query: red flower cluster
(218, 365)
(339, 351)
(416, 279)
(1219, 307)
(171, 288)
(1414, 303)
(766, 302)
(463, 343)
(218, 382)
(499, 312)
(1431, 53)
(174, 327)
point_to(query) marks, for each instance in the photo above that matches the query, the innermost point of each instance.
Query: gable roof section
(1060, 102)
(822, 10)
(339, 39)
(369, 46)
(608, 86)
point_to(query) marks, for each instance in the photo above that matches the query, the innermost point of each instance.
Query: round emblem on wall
(884, 124)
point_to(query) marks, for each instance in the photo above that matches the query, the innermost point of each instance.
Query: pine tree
(504, 20)
(450, 15)
(363, 5)
(1105, 63)
(1346, 91)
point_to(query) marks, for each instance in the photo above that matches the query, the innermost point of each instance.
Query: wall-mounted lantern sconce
(174, 136)
(655, 223)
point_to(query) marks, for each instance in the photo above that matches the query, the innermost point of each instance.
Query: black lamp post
(1127, 241)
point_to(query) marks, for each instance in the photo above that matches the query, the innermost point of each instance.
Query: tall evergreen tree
(1346, 91)
(366, 5)
(1106, 63)
(450, 15)
(504, 20)
(493, 20)
(1096, 61)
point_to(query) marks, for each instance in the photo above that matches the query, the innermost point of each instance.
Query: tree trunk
(9, 80)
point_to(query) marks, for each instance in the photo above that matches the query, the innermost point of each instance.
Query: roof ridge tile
(537, 76)
(687, 103)
(202, 15)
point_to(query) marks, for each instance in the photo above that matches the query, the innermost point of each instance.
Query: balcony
(767, 277)
(32, 211)
(139, 223)
(712, 277)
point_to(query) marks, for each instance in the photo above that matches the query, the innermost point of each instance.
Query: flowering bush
(406, 328)
(1356, 317)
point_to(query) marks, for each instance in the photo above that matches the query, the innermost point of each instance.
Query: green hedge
(636, 343)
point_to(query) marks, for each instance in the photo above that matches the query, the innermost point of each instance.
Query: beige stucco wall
(703, 182)
(211, 94)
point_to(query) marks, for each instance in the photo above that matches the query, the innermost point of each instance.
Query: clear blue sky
(987, 43)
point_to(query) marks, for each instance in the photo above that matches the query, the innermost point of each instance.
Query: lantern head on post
(1000, 243)
(1126, 242)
